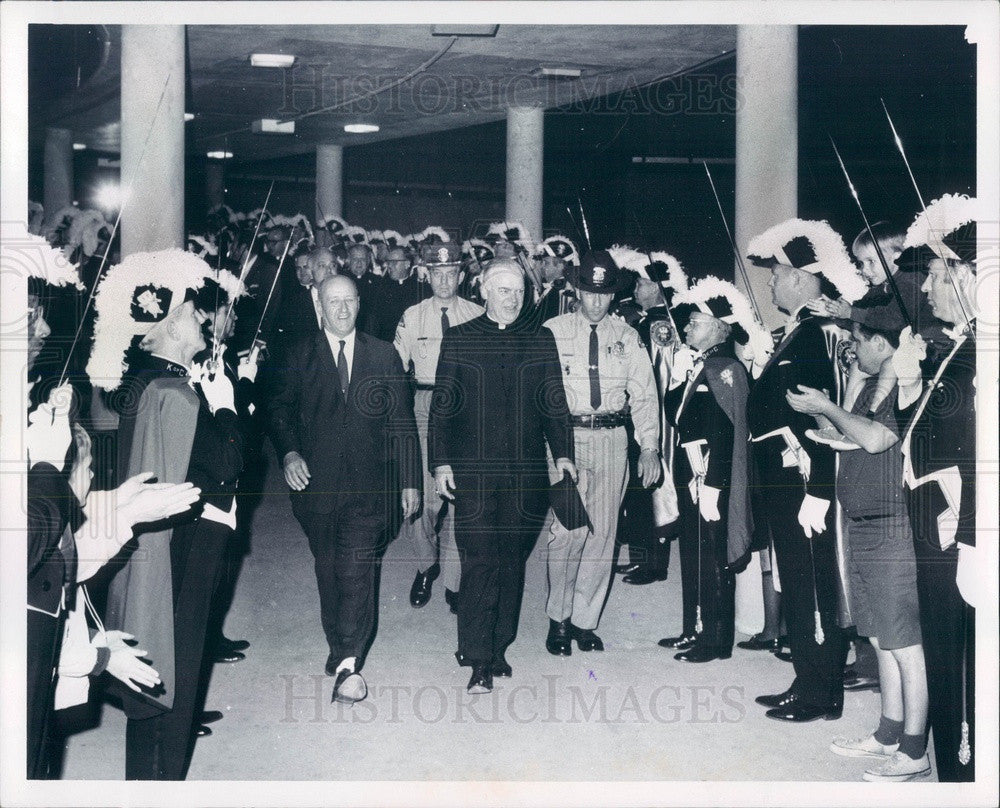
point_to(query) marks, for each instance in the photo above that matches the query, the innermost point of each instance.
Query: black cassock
(498, 399)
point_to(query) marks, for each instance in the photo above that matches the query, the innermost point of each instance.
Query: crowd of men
(476, 398)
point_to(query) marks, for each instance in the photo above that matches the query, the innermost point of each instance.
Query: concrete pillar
(58, 169)
(767, 158)
(152, 163)
(525, 130)
(329, 180)
(215, 183)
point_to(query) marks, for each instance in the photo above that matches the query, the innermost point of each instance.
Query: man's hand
(410, 500)
(970, 575)
(139, 501)
(812, 515)
(125, 663)
(247, 367)
(649, 467)
(444, 480)
(296, 471)
(808, 400)
(566, 466)
(823, 306)
(708, 503)
(47, 436)
(907, 357)
(82, 472)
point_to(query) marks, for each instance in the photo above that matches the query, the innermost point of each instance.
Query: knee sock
(889, 731)
(913, 745)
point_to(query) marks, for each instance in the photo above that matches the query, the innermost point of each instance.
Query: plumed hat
(333, 224)
(813, 247)
(34, 258)
(477, 252)
(723, 301)
(559, 247)
(947, 230)
(354, 234)
(201, 247)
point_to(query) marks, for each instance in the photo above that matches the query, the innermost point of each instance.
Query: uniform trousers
(344, 544)
(498, 515)
(44, 639)
(807, 568)
(580, 561)
(705, 579)
(420, 532)
(158, 748)
(947, 623)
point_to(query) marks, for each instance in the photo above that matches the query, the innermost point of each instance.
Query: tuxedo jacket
(346, 442)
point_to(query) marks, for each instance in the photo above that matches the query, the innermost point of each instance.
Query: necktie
(445, 325)
(345, 378)
(595, 378)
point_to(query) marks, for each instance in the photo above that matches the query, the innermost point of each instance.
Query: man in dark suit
(392, 294)
(341, 413)
(498, 399)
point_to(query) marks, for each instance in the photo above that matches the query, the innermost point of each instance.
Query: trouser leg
(419, 532)
(355, 573)
(43, 640)
(687, 545)
(320, 530)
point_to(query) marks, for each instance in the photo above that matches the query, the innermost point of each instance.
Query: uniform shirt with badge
(419, 333)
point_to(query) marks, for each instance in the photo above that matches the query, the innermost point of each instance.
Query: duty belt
(600, 420)
(420, 386)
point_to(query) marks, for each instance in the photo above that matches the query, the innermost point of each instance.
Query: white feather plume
(943, 216)
(33, 257)
(760, 343)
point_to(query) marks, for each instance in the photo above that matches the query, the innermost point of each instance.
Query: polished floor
(629, 713)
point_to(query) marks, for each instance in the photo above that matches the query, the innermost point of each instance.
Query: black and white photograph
(501, 403)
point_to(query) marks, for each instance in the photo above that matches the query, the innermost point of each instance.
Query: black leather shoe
(349, 688)
(227, 656)
(700, 652)
(451, 598)
(777, 700)
(420, 592)
(645, 575)
(758, 643)
(857, 683)
(784, 656)
(210, 717)
(586, 639)
(798, 713)
(627, 569)
(481, 680)
(681, 643)
(502, 668)
(560, 634)
(232, 645)
(202, 731)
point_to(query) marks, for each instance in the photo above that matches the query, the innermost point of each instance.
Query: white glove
(247, 368)
(812, 515)
(969, 577)
(907, 357)
(708, 503)
(125, 663)
(682, 364)
(48, 436)
(218, 392)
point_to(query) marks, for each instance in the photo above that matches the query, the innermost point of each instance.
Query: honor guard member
(608, 379)
(556, 257)
(939, 474)
(806, 259)
(649, 516)
(710, 464)
(476, 256)
(418, 341)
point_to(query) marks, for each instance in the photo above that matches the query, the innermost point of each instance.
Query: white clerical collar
(498, 324)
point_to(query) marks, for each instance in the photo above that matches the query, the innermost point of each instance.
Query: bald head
(322, 264)
(338, 298)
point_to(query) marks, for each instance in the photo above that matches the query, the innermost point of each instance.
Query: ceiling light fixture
(188, 116)
(272, 126)
(271, 60)
(556, 73)
(79, 146)
(219, 155)
(361, 128)
(464, 30)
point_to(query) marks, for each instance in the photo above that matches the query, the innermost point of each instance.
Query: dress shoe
(699, 652)
(777, 700)
(210, 716)
(420, 592)
(226, 656)
(202, 731)
(784, 656)
(451, 598)
(681, 643)
(232, 645)
(332, 661)
(645, 575)
(586, 639)
(758, 643)
(627, 569)
(558, 643)
(349, 687)
(857, 683)
(796, 712)
(502, 668)
(481, 680)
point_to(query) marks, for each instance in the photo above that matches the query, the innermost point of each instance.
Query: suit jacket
(389, 299)
(297, 315)
(498, 398)
(346, 443)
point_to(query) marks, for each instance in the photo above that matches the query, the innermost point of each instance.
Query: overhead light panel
(79, 146)
(361, 128)
(188, 116)
(272, 126)
(557, 73)
(219, 155)
(464, 30)
(271, 60)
